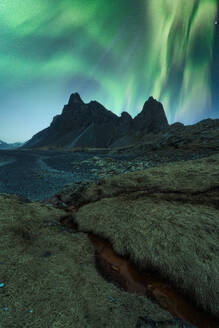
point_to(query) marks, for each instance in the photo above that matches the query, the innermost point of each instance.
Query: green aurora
(116, 52)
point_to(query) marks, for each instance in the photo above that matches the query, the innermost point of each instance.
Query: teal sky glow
(116, 52)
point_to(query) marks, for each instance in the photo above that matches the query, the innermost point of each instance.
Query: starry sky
(118, 52)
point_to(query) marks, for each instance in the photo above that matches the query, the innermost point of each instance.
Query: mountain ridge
(92, 125)
(5, 145)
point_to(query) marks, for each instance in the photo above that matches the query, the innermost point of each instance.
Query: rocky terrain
(178, 143)
(181, 141)
(39, 174)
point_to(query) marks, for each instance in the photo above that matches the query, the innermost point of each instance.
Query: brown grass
(52, 273)
(167, 219)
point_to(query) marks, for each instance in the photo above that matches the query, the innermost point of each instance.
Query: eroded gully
(125, 275)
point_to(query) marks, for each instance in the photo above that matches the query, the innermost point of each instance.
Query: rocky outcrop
(178, 141)
(92, 125)
(151, 119)
(132, 242)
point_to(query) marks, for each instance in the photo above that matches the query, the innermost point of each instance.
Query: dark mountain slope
(92, 125)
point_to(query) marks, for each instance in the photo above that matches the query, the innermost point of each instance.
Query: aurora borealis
(118, 52)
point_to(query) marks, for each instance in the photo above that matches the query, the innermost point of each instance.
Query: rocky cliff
(92, 125)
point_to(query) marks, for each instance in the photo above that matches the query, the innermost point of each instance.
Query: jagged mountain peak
(75, 99)
(152, 103)
(92, 125)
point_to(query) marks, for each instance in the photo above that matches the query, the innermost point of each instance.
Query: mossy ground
(163, 218)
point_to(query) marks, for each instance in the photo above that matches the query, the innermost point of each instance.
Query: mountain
(92, 125)
(5, 145)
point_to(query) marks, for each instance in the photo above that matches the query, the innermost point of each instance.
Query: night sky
(118, 52)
